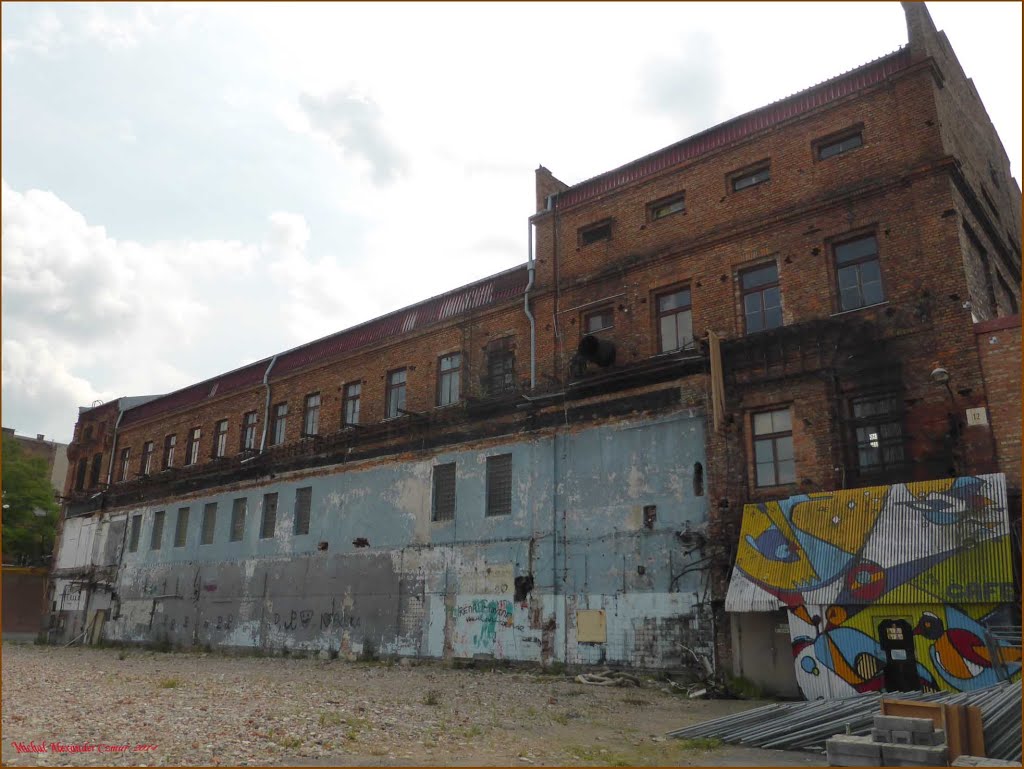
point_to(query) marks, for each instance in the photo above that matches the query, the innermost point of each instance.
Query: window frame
(448, 374)
(279, 424)
(192, 447)
(494, 507)
(666, 202)
(135, 533)
(895, 416)
(248, 437)
(181, 526)
(126, 459)
(500, 363)
(857, 262)
(759, 289)
(311, 412)
(170, 443)
(156, 533)
(585, 235)
(268, 517)
(392, 410)
(220, 438)
(439, 495)
(837, 139)
(239, 512)
(96, 470)
(772, 438)
(350, 399)
(300, 514)
(607, 310)
(146, 460)
(749, 176)
(208, 530)
(659, 314)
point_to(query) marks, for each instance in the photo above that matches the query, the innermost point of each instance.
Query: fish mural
(931, 557)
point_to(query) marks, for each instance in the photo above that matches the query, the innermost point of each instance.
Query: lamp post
(941, 376)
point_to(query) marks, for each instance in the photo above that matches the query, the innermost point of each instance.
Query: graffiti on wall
(886, 587)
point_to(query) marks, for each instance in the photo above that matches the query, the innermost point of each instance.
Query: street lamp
(941, 376)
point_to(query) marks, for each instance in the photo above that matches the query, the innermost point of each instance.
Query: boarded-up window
(303, 503)
(133, 541)
(443, 506)
(499, 484)
(158, 530)
(181, 527)
(269, 523)
(209, 522)
(238, 509)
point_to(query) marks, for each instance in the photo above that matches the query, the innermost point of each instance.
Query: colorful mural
(887, 587)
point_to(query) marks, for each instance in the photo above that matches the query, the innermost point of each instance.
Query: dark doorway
(897, 640)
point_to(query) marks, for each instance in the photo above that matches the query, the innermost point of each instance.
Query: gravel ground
(210, 710)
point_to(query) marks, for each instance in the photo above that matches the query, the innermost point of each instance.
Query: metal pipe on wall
(113, 447)
(531, 269)
(266, 409)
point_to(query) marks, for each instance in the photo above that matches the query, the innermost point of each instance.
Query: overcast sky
(190, 188)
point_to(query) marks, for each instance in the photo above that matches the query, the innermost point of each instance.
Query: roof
(740, 127)
(928, 542)
(475, 296)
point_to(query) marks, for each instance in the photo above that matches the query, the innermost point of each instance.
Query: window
(97, 468)
(598, 320)
(443, 501)
(133, 539)
(395, 400)
(238, 509)
(88, 433)
(83, 468)
(277, 430)
(659, 209)
(209, 523)
(249, 431)
(773, 448)
(858, 274)
(303, 503)
(311, 415)
(836, 146)
(158, 530)
(146, 465)
(269, 523)
(744, 179)
(595, 232)
(878, 430)
(499, 484)
(500, 374)
(126, 455)
(762, 298)
(192, 449)
(220, 440)
(449, 376)
(169, 442)
(350, 404)
(675, 323)
(181, 527)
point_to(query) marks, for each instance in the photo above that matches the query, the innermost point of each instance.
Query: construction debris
(608, 678)
(795, 725)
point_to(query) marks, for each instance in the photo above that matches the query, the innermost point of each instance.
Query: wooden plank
(912, 709)
(975, 732)
(956, 730)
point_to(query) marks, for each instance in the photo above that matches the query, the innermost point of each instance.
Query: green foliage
(28, 537)
(743, 688)
(168, 683)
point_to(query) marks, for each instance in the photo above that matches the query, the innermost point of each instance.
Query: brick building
(551, 464)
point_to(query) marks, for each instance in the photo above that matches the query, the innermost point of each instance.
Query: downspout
(113, 449)
(531, 270)
(266, 409)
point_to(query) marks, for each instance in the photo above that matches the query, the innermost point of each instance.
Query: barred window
(157, 534)
(133, 540)
(238, 510)
(501, 362)
(499, 484)
(443, 503)
(878, 431)
(269, 523)
(209, 522)
(181, 527)
(303, 503)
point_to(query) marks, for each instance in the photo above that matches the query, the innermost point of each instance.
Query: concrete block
(881, 735)
(902, 737)
(852, 750)
(979, 761)
(938, 737)
(915, 755)
(905, 724)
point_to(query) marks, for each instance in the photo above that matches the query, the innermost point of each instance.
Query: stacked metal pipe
(795, 725)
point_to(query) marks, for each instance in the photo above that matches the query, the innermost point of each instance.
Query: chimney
(40, 436)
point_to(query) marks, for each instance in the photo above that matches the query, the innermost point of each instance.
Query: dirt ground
(208, 709)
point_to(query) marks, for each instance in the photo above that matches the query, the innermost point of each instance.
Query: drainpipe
(266, 410)
(531, 269)
(113, 449)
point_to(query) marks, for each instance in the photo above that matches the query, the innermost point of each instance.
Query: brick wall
(999, 348)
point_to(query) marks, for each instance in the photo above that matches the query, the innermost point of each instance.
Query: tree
(29, 509)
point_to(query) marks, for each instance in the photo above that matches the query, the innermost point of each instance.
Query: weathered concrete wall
(578, 527)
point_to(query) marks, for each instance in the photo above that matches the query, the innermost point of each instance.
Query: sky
(190, 188)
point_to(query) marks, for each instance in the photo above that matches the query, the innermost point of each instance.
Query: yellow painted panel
(590, 626)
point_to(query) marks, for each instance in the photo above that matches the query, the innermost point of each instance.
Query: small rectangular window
(238, 510)
(126, 454)
(598, 320)
(249, 431)
(157, 534)
(395, 396)
(773, 448)
(181, 527)
(133, 540)
(277, 432)
(146, 465)
(675, 321)
(192, 451)
(303, 503)
(169, 443)
(220, 442)
(829, 147)
(443, 502)
(594, 233)
(858, 274)
(659, 209)
(350, 405)
(449, 379)
(744, 179)
(209, 522)
(878, 430)
(311, 416)
(269, 524)
(762, 298)
(499, 484)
